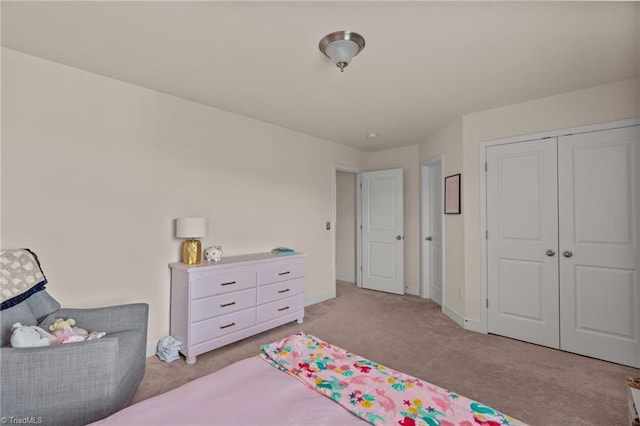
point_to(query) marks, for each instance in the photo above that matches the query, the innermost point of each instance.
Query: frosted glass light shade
(192, 227)
(342, 50)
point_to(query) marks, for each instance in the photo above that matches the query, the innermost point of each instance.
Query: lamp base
(192, 252)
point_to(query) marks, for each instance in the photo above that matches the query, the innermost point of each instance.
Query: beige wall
(598, 104)
(448, 143)
(406, 159)
(346, 226)
(94, 172)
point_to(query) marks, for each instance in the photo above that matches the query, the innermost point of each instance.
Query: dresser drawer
(280, 271)
(222, 304)
(278, 308)
(271, 292)
(222, 325)
(222, 283)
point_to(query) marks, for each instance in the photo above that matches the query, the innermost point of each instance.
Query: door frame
(484, 317)
(425, 200)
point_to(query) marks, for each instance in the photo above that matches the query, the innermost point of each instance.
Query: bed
(304, 380)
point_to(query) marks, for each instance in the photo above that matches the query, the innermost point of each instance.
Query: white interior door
(599, 230)
(432, 238)
(382, 231)
(522, 225)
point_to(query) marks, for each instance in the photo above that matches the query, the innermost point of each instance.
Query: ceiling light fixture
(341, 47)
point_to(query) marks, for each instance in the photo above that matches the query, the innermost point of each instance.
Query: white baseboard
(152, 348)
(317, 298)
(347, 278)
(474, 325)
(456, 317)
(412, 291)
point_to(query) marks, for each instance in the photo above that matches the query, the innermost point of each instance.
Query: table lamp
(192, 228)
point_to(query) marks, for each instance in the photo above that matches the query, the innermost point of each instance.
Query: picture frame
(452, 194)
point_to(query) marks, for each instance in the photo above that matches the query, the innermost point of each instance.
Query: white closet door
(522, 241)
(599, 228)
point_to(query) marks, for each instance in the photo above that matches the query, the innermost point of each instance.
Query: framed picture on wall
(452, 194)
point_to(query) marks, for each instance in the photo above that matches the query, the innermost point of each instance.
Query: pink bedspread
(249, 392)
(329, 379)
(375, 393)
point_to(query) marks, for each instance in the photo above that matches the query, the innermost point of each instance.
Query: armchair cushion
(108, 319)
(42, 304)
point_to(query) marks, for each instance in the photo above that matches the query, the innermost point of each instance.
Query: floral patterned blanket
(373, 392)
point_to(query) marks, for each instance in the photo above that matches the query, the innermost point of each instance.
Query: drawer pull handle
(229, 283)
(283, 309)
(227, 304)
(284, 273)
(227, 326)
(284, 291)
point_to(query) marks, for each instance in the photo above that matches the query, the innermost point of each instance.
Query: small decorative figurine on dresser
(213, 253)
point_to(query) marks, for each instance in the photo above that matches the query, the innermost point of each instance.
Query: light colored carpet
(537, 385)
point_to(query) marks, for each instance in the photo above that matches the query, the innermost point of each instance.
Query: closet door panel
(598, 222)
(522, 226)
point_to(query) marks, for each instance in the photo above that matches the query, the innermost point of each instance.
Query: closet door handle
(550, 252)
(567, 253)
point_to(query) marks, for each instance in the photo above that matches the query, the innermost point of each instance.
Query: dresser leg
(300, 320)
(190, 361)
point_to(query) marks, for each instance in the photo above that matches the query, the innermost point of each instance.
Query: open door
(432, 231)
(382, 231)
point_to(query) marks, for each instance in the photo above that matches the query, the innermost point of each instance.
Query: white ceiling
(424, 64)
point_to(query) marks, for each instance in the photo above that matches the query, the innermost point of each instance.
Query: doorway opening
(378, 223)
(344, 222)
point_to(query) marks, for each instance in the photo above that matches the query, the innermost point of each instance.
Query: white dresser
(217, 303)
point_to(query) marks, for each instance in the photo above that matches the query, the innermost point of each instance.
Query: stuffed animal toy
(29, 336)
(65, 332)
(213, 253)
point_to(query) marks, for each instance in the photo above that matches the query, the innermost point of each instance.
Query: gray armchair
(75, 383)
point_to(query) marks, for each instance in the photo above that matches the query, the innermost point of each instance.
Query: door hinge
(487, 302)
(486, 166)
(360, 185)
(360, 267)
(486, 234)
